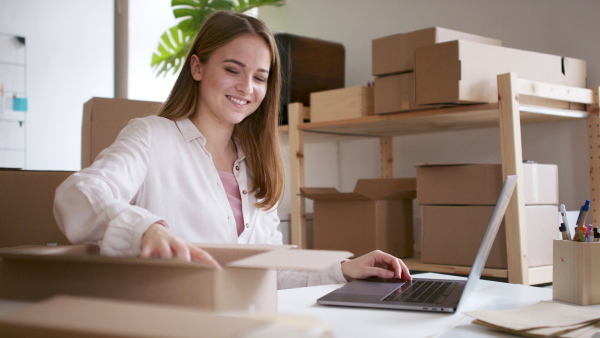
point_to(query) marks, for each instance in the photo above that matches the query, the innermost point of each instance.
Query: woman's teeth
(237, 101)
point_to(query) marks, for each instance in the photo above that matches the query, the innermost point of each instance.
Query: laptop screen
(490, 234)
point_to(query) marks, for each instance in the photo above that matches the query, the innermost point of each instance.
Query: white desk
(358, 322)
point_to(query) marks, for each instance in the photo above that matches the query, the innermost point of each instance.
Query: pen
(563, 213)
(582, 216)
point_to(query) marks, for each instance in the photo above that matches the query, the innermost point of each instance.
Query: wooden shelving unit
(506, 113)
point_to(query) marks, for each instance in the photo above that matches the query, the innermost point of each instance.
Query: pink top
(235, 199)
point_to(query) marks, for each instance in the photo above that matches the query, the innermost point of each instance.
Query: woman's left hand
(375, 264)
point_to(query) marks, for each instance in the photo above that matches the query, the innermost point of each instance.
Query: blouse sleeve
(288, 279)
(94, 204)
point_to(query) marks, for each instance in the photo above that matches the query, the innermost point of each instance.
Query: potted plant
(175, 42)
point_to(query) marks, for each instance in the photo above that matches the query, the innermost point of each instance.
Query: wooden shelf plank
(435, 120)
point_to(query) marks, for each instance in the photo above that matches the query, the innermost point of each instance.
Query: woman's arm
(94, 204)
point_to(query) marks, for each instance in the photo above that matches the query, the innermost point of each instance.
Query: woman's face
(233, 82)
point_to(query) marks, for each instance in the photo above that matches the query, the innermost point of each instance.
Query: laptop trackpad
(371, 286)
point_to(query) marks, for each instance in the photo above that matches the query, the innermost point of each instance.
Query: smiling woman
(208, 169)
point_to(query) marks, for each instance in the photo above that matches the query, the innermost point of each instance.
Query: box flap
(93, 317)
(307, 260)
(331, 194)
(226, 253)
(381, 188)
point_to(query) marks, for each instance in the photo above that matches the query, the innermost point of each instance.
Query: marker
(563, 213)
(582, 216)
(563, 231)
(596, 235)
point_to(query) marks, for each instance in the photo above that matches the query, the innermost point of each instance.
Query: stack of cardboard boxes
(457, 201)
(437, 67)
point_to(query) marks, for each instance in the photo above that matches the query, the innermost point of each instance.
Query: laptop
(423, 294)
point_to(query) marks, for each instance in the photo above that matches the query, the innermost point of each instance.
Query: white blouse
(159, 170)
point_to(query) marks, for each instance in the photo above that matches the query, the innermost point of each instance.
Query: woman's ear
(196, 68)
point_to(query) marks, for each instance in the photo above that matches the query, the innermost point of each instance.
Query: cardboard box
(452, 235)
(247, 282)
(480, 184)
(576, 272)
(68, 316)
(466, 72)
(104, 118)
(377, 215)
(394, 93)
(340, 104)
(395, 53)
(26, 202)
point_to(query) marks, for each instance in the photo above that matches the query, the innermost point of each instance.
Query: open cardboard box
(71, 316)
(247, 282)
(378, 214)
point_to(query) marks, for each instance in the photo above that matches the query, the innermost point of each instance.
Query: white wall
(69, 60)
(148, 20)
(566, 28)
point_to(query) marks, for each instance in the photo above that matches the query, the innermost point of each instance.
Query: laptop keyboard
(431, 292)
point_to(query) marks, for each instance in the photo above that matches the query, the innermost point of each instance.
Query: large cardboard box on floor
(26, 202)
(69, 316)
(395, 53)
(481, 183)
(466, 72)
(247, 282)
(377, 215)
(103, 119)
(339, 104)
(451, 235)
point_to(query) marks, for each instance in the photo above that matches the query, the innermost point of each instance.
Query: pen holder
(576, 272)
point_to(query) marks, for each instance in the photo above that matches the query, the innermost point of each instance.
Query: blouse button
(244, 192)
(247, 225)
(237, 167)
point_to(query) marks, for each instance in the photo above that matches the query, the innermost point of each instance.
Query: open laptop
(421, 294)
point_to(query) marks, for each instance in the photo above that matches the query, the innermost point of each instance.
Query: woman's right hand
(159, 241)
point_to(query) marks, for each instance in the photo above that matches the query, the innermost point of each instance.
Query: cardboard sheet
(543, 319)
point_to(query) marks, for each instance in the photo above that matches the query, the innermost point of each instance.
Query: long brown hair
(258, 133)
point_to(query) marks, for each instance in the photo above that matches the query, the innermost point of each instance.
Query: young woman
(207, 169)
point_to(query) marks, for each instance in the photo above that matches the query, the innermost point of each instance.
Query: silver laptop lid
(490, 235)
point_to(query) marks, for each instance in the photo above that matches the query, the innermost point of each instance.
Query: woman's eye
(232, 71)
(260, 79)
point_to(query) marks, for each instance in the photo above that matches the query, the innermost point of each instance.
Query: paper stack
(544, 319)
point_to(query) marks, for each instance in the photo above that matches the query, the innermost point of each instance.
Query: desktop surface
(363, 322)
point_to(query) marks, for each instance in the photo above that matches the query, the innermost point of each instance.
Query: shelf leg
(386, 150)
(594, 153)
(298, 211)
(512, 164)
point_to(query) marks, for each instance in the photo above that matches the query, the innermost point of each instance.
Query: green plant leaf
(175, 42)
